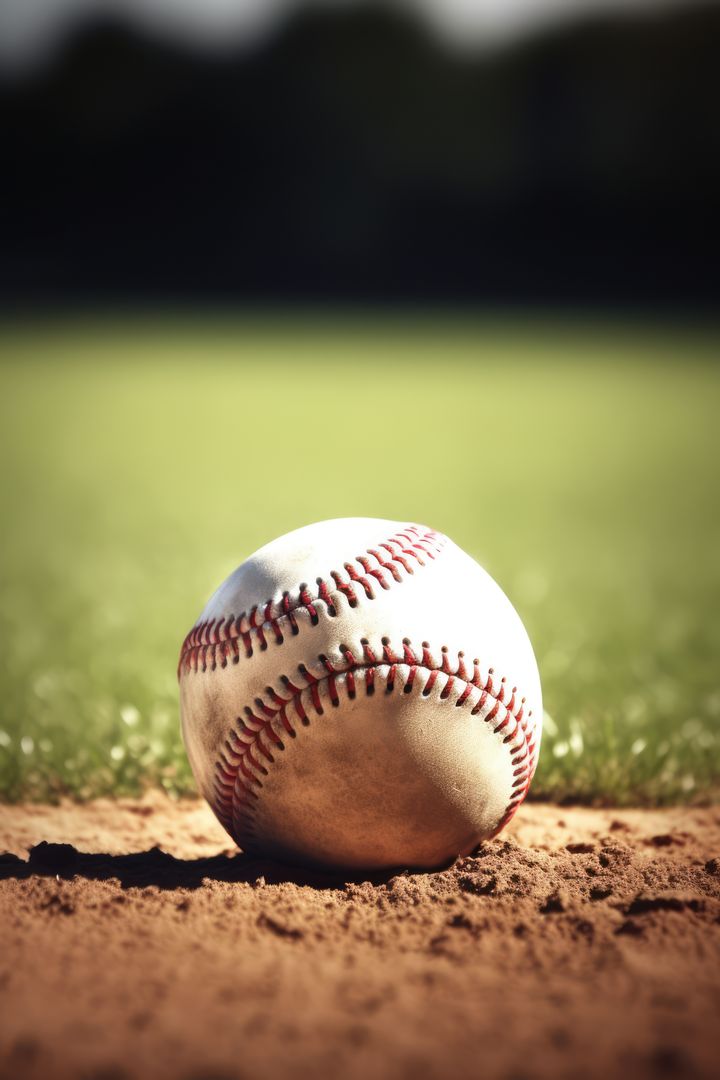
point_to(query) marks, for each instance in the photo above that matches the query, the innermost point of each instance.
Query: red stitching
(215, 640)
(236, 787)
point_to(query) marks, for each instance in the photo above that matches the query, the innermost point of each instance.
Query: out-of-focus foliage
(141, 463)
(579, 166)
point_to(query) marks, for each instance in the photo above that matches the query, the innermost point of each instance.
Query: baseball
(361, 694)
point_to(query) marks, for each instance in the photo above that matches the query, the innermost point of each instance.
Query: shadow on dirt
(155, 867)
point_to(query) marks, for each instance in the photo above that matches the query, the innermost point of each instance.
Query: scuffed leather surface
(390, 779)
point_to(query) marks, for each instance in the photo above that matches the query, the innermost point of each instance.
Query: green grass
(142, 461)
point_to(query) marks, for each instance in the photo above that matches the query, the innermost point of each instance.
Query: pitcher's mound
(137, 943)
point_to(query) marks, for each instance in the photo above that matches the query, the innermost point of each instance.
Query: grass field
(142, 461)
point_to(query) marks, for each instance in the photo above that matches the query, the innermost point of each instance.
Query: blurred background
(552, 152)
(447, 261)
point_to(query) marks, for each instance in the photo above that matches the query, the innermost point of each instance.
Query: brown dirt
(581, 943)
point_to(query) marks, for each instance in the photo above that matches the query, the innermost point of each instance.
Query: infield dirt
(136, 942)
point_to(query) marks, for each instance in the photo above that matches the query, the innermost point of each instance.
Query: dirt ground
(136, 942)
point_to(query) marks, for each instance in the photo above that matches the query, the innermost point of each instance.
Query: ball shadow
(157, 868)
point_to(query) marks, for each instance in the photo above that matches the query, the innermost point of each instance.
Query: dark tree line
(352, 157)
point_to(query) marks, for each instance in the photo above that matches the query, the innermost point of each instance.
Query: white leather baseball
(360, 693)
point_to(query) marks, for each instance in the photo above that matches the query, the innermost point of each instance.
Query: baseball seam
(250, 746)
(217, 641)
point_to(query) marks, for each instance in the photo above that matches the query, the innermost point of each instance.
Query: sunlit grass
(141, 463)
